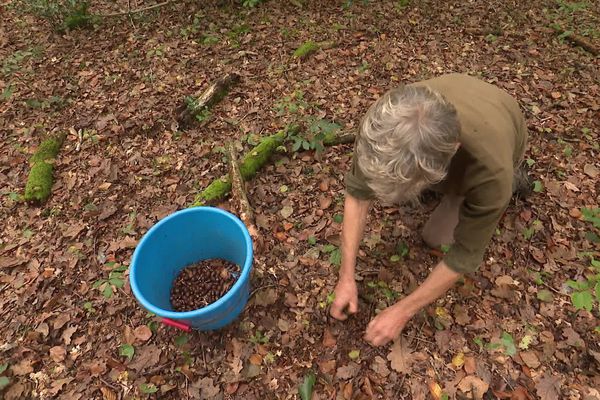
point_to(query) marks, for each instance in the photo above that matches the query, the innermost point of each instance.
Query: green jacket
(493, 138)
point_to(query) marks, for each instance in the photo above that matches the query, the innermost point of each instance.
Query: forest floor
(510, 331)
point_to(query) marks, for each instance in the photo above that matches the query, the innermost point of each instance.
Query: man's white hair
(406, 142)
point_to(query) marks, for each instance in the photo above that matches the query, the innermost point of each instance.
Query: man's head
(406, 141)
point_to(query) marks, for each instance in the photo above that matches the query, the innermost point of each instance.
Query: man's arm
(388, 324)
(355, 218)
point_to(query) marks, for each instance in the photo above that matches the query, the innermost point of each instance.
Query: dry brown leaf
(591, 170)
(347, 371)
(418, 389)
(470, 365)
(143, 333)
(473, 386)
(58, 384)
(328, 338)
(400, 356)
(435, 390)
(573, 338)
(145, 357)
(530, 359)
(24, 367)
(266, 297)
(58, 353)
(128, 336)
(520, 393)
(107, 394)
(61, 320)
(255, 359)
(548, 388)
(67, 333)
(326, 367)
(380, 366)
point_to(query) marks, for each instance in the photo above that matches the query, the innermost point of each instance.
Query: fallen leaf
(575, 212)
(556, 95)
(255, 359)
(43, 328)
(24, 367)
(348, 390)
(143, 333)
(548, 388)
(67, 333)
(474, 386)
(251, 371)
(379, 365)
(326, 367)
(325, 202)
(58, 353)
(573, 338)
(591, 170)
(104, 186)
(208, 390)
(107, 394)
(328, 338)
(520, 393)
(286, 211)
(58, 384)
(96, 367)
(470, 365)
(530, 359)
(435, 390)
(458, 360)
(461, 315)
(347, 371)
(400, 356)
(146, 357)
(324, 185)
(61, 320)
(283, 325)
(266, 297)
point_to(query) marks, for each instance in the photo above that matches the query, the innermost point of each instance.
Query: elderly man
(454, 134)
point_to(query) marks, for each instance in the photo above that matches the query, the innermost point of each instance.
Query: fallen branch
(256, 159)
(40, 179)
(309, 47)
(196, 107)
(238, 188)
(251, 163)
(576, 40)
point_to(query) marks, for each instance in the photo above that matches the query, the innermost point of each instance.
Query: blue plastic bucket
(183, 238)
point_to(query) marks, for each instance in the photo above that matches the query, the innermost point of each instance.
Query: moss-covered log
(39, 182)
(309, 47)
(196, 107)
(251, 163)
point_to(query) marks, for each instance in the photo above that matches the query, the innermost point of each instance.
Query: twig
(139, 10)
(576, 40)
(110, 385)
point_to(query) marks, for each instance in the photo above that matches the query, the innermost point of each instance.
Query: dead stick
(239, 192)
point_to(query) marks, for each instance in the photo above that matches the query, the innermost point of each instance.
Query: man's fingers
(353, 307)
(337, 311)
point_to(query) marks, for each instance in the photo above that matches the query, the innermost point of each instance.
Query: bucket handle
(176, 324)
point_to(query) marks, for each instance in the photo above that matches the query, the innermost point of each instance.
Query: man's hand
(390, 322)
(346, 298)
(387, 325)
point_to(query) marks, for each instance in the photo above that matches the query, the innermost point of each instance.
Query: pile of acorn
(202, 283)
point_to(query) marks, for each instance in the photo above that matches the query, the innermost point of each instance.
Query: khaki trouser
(439, 229)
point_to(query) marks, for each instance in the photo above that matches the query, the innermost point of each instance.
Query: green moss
(251, 163)
(39, 182)
(306, 49)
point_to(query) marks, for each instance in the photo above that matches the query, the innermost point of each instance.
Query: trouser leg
(439, 229)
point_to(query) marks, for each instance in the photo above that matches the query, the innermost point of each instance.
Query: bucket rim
(176, 315)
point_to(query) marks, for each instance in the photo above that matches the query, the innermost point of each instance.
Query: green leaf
(148, 388)
(306, 388)
(98, 283)
(508, 343)
(445, 248)
(126, 350)
(181, 340)
(538, 186)
(354, 354)
(591, 215)
(530, 162)
(479, 342)
(545, 295)
(3, 367)
(328, 248)
(117, 282)
(4, 382)
(312, 240)
(395, 258)
(402, 249)
(338, 218)
(305, 145)
(597, 291)
(525, 342)
(577, 285)
(582, 300)
(330, 298)
(108, 291)
(335, 257)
